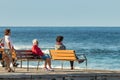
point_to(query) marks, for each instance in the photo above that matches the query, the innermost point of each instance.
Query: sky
(59, 12)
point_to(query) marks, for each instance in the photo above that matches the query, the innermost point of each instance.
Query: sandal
(50, 69)
(81, 60)
(72, 68)
(45, 68)
(11, 70)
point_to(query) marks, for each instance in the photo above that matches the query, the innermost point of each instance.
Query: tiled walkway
(59, 74)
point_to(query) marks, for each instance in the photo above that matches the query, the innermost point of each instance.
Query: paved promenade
(59, 74)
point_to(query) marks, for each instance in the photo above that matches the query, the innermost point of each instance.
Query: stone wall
(107, 76)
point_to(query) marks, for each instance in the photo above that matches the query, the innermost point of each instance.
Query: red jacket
(36, 50)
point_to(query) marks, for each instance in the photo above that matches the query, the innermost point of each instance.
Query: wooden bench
(26, 55)
(1, 51)
(66, 55)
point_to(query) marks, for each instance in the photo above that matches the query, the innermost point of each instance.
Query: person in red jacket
(37, 52)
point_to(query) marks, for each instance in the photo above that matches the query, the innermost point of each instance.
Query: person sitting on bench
(38, 52)
(60, 46)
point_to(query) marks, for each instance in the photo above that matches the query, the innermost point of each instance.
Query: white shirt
(7, 39)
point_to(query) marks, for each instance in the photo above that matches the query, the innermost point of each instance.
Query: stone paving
(59, 74)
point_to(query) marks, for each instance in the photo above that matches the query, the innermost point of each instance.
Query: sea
(101, 45)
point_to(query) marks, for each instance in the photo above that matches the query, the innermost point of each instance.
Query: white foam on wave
(45, 49)
(22, 47)
(92, 45)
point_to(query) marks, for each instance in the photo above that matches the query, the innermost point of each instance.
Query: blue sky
(59, 12)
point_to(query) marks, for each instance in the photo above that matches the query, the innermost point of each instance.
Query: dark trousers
(72, 62)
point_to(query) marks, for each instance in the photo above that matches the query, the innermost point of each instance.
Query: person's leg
(80, 60)
(71, 64)
(7, 60)
(47, 57)
(3, 60)
(49, 62)
(11, 62)
(15, 64)
(46, 61)
(45, 64)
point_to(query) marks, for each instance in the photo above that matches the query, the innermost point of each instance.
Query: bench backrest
(21, 54)
(24, 54)
(1, 50)
(63, 55)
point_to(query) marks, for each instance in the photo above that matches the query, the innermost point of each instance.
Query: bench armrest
(82, 56)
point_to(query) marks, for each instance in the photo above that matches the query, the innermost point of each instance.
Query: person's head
(7, 31)
(59, 38)
(35, 42)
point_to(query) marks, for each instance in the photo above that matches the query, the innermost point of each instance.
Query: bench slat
(63, 55)
(65, 58)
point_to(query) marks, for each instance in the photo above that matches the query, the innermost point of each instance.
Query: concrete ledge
(87, 76)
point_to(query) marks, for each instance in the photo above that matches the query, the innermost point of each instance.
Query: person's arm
(11, 48)
(1, 43)
(9, 44)
(34, 49)
(60, 47)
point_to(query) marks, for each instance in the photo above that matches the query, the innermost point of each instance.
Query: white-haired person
(37, 52)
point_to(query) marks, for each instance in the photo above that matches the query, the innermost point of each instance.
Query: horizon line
(59, 26)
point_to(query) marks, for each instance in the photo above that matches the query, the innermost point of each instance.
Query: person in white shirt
(8, 49)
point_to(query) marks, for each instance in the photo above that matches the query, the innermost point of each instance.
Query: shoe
(11, 70)
(80, 61)
(3, 63)
(8, 69)
(72, 68)
(16, 64)
(46, 69)
(50, 69)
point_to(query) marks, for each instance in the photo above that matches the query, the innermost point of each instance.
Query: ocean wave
(99, 51)
(81, 50)
(24, 47)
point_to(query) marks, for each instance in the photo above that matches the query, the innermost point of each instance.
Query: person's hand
(11, 51)
(1, 44)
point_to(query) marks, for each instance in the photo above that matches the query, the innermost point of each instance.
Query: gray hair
(34, 41)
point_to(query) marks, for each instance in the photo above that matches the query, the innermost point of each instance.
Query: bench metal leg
(21, 63)
(86, 63)
(38, 64)
(61, 64)
(85, 60)
(27, 65)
